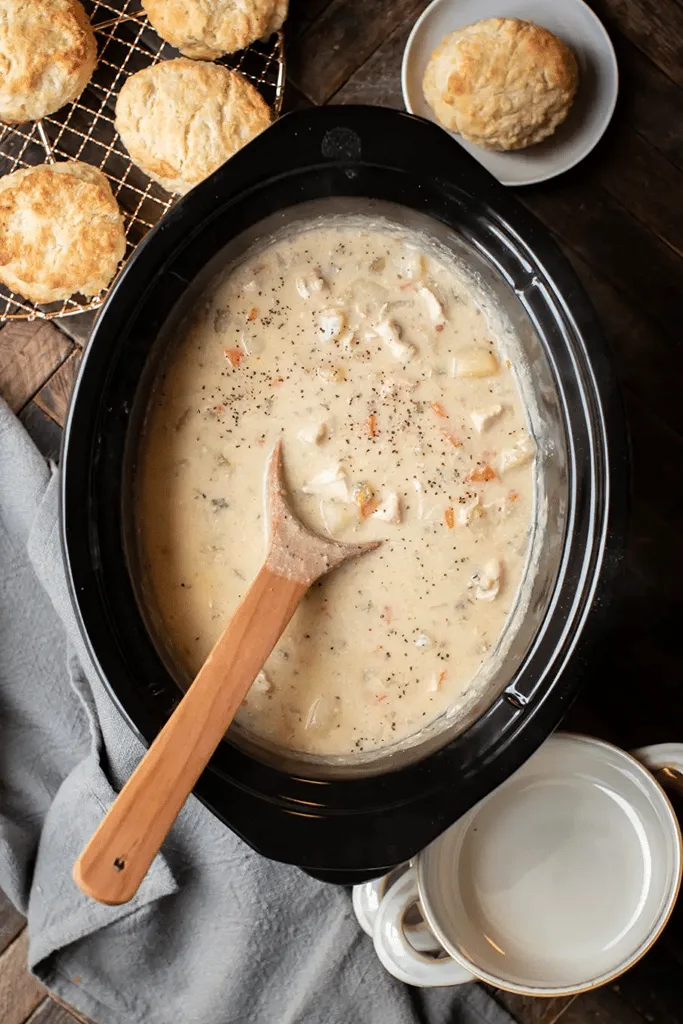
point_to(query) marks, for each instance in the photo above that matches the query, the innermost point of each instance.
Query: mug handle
(396, 953)
(665, 762)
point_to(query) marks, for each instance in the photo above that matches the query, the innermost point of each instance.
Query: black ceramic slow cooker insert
(346, 825)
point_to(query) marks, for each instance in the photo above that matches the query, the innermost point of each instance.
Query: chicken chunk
(308, 284)
(521, 453)
(414, 265)
(434, 307)
(322, 714)
(331, 324)
(330, 483)
(337, 516)
(389, 509)
(313, 433)
(262, 683)
(390, 333)
(483, 418)
(423, 640)
(436, 681)
(487, 582)
(471, 513)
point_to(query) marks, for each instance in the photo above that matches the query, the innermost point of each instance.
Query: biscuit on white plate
(181, 119)
(61, 231)
(47, 56)
(207, 29)
(501, 83)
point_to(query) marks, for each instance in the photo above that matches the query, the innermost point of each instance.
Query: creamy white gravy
(372, 356)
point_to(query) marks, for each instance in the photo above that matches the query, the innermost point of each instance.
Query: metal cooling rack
(85, 130)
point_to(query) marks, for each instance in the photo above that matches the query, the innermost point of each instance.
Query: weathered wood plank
(294, 99)
(46, 434)
(29, 354)
(641, 653)
(54, 1011)
(637, 653)
(301, 14)
(612, 242)
(585, 717)
(19, 992)
(654, 559)
(604, 1006)
(647, 361)
(341, 39)
(654, 988)
(657, 453)
(50, 1012)
(378, 80)
(54, 396)
(654, 26)
(649, 101)
(529, 1010)
(644, 182)
(79, 327)
(11, 922)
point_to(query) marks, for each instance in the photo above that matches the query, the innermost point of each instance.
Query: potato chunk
(475, 362)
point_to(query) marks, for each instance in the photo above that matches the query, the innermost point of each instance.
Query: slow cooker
(349, 825)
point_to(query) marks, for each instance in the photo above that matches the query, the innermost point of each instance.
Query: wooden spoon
(113, 864)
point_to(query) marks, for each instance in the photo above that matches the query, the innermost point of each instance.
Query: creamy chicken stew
(376, 359)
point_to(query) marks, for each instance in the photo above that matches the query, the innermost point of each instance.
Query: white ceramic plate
(575, 23)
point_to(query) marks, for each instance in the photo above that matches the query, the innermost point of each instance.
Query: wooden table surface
(619, 218)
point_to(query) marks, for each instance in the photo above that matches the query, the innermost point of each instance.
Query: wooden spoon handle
(113, 864)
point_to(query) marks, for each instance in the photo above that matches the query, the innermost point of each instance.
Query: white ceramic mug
(557, 882)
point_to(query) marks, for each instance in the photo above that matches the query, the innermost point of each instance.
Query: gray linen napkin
(216, 934)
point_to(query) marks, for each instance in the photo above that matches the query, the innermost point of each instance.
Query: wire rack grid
(84, 130)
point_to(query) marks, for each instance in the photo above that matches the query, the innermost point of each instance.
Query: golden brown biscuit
(206, 29)
(47, 56)
(501, 83)
(181, 119)
(61, 231)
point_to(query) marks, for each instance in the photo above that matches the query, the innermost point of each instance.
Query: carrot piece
(253, 313)
(234, 356)
(276, 382)
(449, 517)
(442, 676)
(438, 327)
(513, 495)
(406, 285)
(452, 440)
(439, 410)
(372, 425)
(480, 474)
